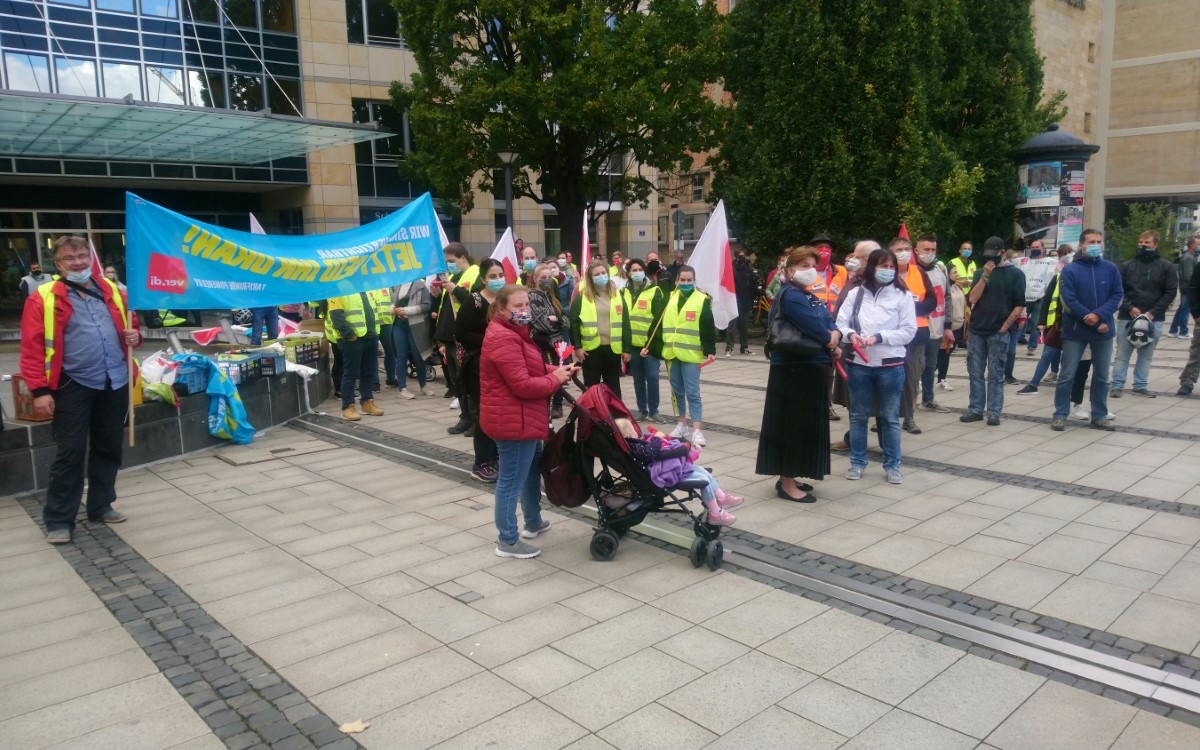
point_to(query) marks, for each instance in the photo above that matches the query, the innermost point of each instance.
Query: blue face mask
(600, 281)
(966, 253)
(638, 276)
(1093, 251)
(529, 265)
(80, 277)
(521, 317)
(495, 285)
(687, 288)
(885, 275)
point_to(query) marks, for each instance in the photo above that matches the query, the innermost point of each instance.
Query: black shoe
(993, 420)
(459, 428)
(470, 431)
(971, 417)
(1022, 340)
(1115, 393)
(1184, 390)
(1011, 381)
(1144, 393)
(556, 413)
(807, 497)
(449, 394)
(1027, 390)
(910, 427)
(391, 381)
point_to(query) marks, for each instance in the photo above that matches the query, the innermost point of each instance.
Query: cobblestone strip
(245, 702)
(1016, 480)
(799, 558)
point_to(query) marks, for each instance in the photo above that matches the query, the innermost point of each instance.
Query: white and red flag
(714, 267)
(585, 249)
(506, 253)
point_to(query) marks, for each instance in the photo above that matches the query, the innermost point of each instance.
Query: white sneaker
(728, 354)
(1080, 413)
(680, 430)
(1185, 335)
(454, 404)
(1172, 335)
(698, 438)
(944, 385)
(1111, 415)
(406, 394)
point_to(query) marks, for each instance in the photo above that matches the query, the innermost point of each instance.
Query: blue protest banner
(177, 263)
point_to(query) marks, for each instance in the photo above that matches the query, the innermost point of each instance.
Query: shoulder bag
(785, 338)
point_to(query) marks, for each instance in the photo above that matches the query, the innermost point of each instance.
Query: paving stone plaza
(1023, 589)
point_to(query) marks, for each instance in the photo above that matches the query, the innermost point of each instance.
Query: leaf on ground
(354, 727)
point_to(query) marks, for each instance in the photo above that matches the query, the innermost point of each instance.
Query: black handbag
(785, 338)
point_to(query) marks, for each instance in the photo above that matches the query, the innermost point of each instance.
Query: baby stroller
(599, 458)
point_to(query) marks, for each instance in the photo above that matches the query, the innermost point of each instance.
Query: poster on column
(181, 264)
(1038, 224)
(1072, 183)
(1039, 184)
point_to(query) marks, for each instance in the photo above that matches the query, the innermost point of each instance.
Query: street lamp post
(507, 158)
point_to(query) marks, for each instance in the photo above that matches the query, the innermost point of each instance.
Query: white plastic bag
(159, 368)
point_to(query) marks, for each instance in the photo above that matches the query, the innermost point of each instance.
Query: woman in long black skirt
(794, 440)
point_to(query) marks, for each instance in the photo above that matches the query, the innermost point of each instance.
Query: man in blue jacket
(1090, 290)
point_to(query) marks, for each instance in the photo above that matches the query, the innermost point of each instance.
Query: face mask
(1146, 251)
(1066, 258)
(885, 275)
(562, 263)
(741, 259)
(853, 264)
(600, 281)
(80, 277)
(495, 285)
(637, 276)
(1093, 251)
(1035, 253)
(805, 276)
(966, 253)
(529, 265)
(992, 259)
(687, 288)
(653, 266)
(36, 274)
(927, 259)
(521, 317)
(546, 285)
(824, 254)
(903, 256)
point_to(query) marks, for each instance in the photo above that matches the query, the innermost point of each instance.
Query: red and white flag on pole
(903, 231)
(585, 248)
(714, 267)
(506, 253)
(255, 227)
(97, 267)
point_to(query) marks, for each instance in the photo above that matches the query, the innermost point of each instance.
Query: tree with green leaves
(852, 117)
(593, 96)
(1121, 232)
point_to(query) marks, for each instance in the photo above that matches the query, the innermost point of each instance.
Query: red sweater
(515, 384)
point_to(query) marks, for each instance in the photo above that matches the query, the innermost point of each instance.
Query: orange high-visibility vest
(829, 284)
(916, 285)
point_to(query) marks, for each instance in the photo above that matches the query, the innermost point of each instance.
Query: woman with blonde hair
(597, 329)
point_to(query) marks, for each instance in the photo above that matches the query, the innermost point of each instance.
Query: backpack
(562, 467)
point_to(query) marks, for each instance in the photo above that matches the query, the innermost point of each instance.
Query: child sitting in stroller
(670, 461)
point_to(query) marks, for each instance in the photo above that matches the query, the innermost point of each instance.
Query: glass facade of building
(229, 54)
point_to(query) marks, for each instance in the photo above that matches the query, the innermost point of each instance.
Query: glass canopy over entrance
(39, 126)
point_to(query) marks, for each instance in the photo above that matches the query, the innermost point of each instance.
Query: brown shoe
(370, 409)
(350, 414)
(840, 446)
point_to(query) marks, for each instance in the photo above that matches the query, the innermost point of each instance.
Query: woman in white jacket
(878, 319)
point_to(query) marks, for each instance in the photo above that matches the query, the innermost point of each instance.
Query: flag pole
(131, 386)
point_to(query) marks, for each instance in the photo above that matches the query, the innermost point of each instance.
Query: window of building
(121, 80)
(1087, 122)
(75, 77)
(241, 13)
(164, 85)
(162, 8)
(378, 175)
(372, 22)
(1091, 52)
(27, 72)
(698, 181)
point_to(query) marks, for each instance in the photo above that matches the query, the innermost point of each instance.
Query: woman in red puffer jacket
(515, 385)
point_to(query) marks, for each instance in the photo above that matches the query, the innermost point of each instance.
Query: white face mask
(903, 256)
(853, 264)
(926, 258)
(805, 277)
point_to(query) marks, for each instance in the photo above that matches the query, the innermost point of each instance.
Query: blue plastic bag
(227, 417)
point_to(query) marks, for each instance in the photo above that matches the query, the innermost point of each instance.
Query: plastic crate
(240, 368)
(190, 379)
(23, 402)
(302, 349)
(269, 365)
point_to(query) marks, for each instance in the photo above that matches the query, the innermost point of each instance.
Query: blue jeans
(1179, 324)
(645, 382)
(988, 353)
(885, 385)
(1145, 357)
(1031, 325)
(264, 316)
(931, 362)
(685, 389)
(1010, 357)
(519, 477)
(406, 351)
(1072, 353)
(708, 493)
(1049, 361)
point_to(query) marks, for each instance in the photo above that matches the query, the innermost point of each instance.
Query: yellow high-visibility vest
(681, 328)
(356, 316)
(383, 306)
(466, 281)
(641, 313)
(965, 269)
(589, 330)
(48, 320)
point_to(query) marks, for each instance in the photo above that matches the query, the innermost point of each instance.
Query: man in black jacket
(1191, 371)
(746, 286)
(1150, 285)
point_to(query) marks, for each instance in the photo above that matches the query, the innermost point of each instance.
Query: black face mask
(653, 267)
(991, 259)
(36, 274)
(1147, 252)
(741, 259)
(546, 285)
